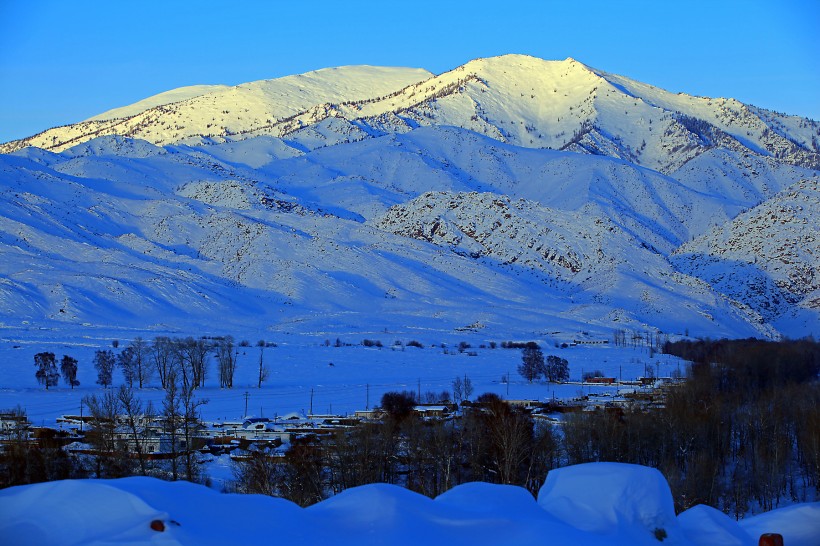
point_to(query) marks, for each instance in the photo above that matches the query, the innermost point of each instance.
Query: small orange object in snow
(771, 539)
(157, 525)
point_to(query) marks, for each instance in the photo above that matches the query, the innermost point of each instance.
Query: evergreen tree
(532, 362)
(46, 373)
(557, 369)
(127, 360)
(68, 367)
(104, 364)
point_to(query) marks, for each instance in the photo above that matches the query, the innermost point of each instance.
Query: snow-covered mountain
(766, 257)
(511, 194)
(205, 111)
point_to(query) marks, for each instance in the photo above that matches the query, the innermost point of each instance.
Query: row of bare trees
(121, 429)
(181, 365)
(187, 359)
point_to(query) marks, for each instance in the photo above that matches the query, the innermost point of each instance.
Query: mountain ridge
(417, 201)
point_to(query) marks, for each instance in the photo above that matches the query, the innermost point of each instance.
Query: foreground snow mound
(475, 514)
(78, 512)
(799, 524)
(613, 499)
(599, 504)
(706, 525)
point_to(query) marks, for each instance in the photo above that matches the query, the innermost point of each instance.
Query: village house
(439, 411)
(11, 422)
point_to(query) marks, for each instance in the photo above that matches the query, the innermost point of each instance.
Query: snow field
(356, 380)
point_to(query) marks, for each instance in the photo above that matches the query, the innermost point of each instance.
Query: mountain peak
(513, 98)
(447, 179)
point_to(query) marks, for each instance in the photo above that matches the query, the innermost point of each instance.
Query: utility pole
(508, 383)
(367, 399)
(311, 401)
(418, 396)
(247, 395)
(81, 414)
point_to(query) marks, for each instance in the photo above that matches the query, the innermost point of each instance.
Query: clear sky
(62, 61)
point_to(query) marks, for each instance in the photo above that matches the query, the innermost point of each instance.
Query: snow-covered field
(342, 379)
(594, 504)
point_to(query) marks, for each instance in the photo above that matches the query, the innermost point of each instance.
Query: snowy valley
(511, 198)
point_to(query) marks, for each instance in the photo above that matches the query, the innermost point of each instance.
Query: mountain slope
(768, 257)
(121, 230)
(168, 97)
(511, 193)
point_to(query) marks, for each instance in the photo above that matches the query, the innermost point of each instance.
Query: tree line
(743, 430)
(741, 433)
(492, 442)
(121, 425)
(142, 361)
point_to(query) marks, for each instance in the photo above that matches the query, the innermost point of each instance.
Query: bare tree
(193, 356)
(458, 390)
(467, 387)
(183, 362)
(162, 356)
(304, 474)
(137, 419)
(260, 474)
(357, 457)
(510, 433)
(190, 357)
(180, 412)
(172, 418)
(190, 421)
(462, 389)
(263, 370)
(226, 361)
(111, 460)
(132, 361)
(127, 362)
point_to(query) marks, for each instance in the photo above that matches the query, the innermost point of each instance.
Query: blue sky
(64, 61)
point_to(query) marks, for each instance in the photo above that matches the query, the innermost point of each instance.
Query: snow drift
(590, 504)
